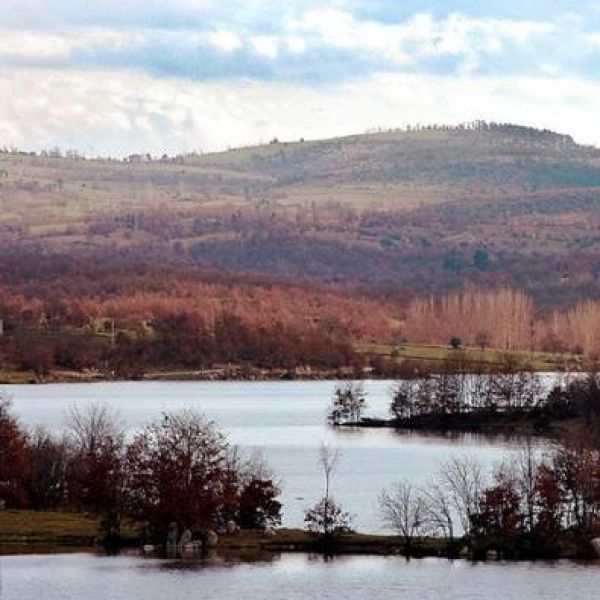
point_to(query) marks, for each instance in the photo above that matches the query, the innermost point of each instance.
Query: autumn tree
(175, 472)
(96, 475)
(13, 457)
(498, 515)
(46, 480)
(258, 504)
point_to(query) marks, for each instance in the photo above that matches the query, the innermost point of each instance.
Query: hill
(301, 253)
(401, 212)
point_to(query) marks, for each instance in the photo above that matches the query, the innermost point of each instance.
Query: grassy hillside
(396, 212)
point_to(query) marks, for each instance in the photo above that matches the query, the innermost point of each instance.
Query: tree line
(506, 319)
(464, 400)
(534, 504)
(177, 472)
(123, 320)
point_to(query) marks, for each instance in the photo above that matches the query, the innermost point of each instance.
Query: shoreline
(28, 378)
(11, 377)
(492, 424)
(35, 532)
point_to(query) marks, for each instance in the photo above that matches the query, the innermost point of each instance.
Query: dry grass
(540, 361)
(33, 526)
(51, 529)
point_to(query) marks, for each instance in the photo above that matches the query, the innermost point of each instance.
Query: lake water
(290, 577)
(286, 421)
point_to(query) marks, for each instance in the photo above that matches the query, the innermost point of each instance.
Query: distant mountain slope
(398, 212)
(505, 155)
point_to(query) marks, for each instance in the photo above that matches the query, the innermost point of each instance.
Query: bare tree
(403, 510)
(96, 464)
(402, 405)
(46, 478)
(328, 459)
(327, 517)
(439, 514)
(464, 481)
(527, 470)
(93, 426)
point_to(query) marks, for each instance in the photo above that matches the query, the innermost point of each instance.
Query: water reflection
(208, 559)
(291, 577)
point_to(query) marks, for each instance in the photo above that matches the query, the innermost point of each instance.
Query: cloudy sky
(121, 76)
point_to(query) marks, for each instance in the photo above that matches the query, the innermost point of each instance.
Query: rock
(173, 534)
(186, 537)
(211, 539)
(596, 546)
(491, 555)
(191, 548)
(231, 527)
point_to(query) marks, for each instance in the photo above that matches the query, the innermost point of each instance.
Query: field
(434, 355)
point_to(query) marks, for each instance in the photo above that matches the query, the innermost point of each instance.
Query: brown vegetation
(289, 254)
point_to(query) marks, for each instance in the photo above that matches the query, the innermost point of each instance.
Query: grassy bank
(24, 532)
(430, 355)
(25, 529)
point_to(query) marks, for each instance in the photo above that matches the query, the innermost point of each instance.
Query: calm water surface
(291, 577)
(286, 421)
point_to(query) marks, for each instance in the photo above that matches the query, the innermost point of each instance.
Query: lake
(290, 577)
(286, 422)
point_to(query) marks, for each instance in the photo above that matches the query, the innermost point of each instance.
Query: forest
(121, 320)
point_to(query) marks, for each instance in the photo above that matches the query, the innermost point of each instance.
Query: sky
(114, 77)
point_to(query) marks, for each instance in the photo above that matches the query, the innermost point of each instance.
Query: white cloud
(295, 44)
(228, 41)
(41, 47)
(119, 112)
(420, 36)
(593, 39)
(400, 44)
(265, 45)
